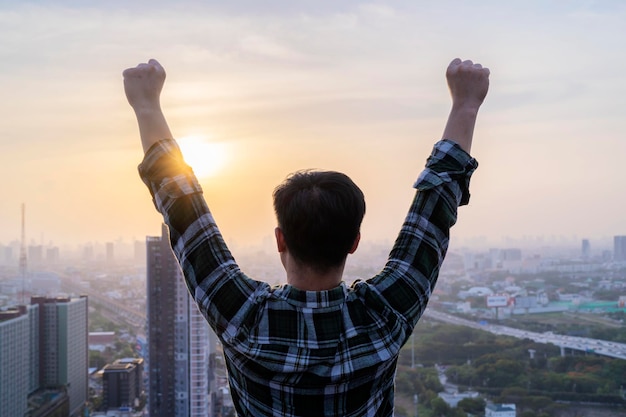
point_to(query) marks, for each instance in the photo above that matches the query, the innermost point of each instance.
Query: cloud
(283, 75)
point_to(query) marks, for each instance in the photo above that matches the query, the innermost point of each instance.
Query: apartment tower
(43, 347)
(178, 338)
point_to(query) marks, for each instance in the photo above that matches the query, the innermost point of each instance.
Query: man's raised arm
(468, 83)
(411, 272)
(143, 85)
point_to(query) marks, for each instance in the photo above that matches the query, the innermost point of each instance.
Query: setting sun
(206, 158)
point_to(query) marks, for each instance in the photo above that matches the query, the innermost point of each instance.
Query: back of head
(320, 215)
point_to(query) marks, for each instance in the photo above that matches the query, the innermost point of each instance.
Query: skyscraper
(63, 348)
(178, 348)
(110, 252)
(14, 353)
(43, 346)
(619, 248)
(586, 249)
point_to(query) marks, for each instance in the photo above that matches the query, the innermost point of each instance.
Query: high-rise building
(35, 255)
(14, 355)
(52, 255)
(110, 252)
(586, 249)
(139, 252)
(44, 346)
(192, 359)
(619, 248)
(63, 349)
(178, 338)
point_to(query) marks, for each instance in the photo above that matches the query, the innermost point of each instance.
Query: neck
(305, 278)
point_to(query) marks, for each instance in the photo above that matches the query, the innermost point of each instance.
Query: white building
(44, 346)
(192, 361)
(14, 354)
(500, 410)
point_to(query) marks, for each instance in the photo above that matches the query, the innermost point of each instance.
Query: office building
(139, 252)
(43, 357)
(14, 361)
(110, 252)
(178, 348)
(619, 248)
(52, 255)
(63, 350)
(35, 255)
(586, 249)
(121, 383)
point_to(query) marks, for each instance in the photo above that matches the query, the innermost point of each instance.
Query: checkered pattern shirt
(311, 353)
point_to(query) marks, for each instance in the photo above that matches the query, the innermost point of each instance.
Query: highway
(583, 344)
(117, 310)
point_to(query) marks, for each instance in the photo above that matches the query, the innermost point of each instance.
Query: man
(312, 347)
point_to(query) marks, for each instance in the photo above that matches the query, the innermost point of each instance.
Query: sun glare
(206, 158)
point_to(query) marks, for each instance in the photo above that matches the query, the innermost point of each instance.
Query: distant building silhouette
(139, 252)
(6, 255)
(586, 249)
(110, 252)
(35, 255)
(619, 248)
(178, 339)
(52, 255)
(88, 253)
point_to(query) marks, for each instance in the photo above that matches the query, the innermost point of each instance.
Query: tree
(440, 407)
(472, 405)
(96, 360)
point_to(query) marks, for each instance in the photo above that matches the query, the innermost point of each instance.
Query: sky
(276, 86)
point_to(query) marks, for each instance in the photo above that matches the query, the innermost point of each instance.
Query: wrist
(147, 109)
(466, 108)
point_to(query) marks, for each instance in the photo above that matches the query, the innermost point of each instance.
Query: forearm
(460, 126)
(143, 85)
(152, 127)
(413, 266)
(468, 83)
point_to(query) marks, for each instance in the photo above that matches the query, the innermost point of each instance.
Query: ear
(355, 244)
(280, 240)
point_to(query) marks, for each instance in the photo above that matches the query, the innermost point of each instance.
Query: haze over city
(352, 86)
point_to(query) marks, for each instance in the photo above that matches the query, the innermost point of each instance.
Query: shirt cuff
(448, 162)
(166, 174)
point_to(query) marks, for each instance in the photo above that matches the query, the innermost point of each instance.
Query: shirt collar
(314, 299)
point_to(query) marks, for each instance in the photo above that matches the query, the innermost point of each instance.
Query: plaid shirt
(311, 353)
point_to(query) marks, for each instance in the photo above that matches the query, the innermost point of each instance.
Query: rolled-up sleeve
(166, 174)
(448, 163)
(407, 281)
(220, 289)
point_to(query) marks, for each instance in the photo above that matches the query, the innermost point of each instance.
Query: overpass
(116, 309)
(583, 344)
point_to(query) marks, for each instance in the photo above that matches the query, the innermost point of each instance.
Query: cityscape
(111, 330)
(528, 315)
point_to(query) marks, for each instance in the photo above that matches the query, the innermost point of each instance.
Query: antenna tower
(23, 267)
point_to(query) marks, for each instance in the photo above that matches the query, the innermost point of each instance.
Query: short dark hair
(320, 215)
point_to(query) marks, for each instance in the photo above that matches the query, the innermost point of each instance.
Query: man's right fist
(468, 83)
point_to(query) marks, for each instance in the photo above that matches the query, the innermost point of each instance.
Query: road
(583, 344)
